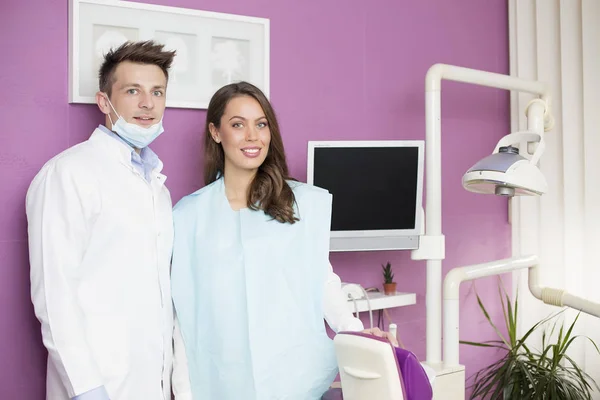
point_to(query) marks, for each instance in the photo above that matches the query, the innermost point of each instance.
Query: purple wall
(339, 70)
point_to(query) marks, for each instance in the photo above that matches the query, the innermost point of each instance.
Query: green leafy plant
(525, 373)
(388, 275)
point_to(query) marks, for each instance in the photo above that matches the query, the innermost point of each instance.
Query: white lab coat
(100, 242)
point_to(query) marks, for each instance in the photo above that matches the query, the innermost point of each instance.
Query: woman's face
(244, 134)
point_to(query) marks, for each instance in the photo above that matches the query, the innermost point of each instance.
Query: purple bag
(413, 378)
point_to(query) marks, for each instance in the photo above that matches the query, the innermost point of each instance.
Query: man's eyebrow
(137, 85)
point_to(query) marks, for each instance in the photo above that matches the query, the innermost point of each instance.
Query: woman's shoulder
(306, 191)
(191, 201)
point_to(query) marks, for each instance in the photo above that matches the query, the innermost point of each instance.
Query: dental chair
(373, 369)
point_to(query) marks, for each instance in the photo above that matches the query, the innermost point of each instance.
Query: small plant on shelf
(389, 286)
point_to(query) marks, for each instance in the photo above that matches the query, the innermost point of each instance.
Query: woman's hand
(382, 334)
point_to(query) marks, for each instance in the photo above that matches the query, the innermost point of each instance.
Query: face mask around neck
(136, 135)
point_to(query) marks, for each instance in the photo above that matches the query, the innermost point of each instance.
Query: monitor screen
(376, 188)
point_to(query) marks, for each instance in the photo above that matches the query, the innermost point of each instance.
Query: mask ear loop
(113, 108)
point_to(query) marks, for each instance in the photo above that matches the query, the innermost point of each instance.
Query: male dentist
(100, 241)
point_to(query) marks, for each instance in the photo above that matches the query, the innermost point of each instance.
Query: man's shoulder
(81, 153)
(77, 160)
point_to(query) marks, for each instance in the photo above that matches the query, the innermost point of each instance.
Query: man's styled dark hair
(148, 52)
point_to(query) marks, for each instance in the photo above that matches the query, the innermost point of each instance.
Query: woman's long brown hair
(269, 190)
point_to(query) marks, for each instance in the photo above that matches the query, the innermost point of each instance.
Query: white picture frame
(213, 49)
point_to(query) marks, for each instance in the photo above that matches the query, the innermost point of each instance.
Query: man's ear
(102, 102)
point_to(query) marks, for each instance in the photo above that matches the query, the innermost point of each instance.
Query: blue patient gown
(248, 292)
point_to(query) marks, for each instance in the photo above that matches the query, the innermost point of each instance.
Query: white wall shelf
(380, 301)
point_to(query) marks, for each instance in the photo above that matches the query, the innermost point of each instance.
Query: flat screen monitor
(377, 189)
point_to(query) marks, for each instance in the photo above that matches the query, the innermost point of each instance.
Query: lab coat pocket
(109, 342)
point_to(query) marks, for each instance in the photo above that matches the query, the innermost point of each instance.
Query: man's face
(138, 94)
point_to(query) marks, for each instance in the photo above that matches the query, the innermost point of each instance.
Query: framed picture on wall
(213, 49)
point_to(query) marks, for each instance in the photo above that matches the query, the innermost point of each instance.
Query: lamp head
(506, 172)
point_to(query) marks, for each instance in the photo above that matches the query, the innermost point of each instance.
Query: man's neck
(108, 125)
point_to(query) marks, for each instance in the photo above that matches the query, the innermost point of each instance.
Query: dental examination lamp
(506, 172)
(511, 170)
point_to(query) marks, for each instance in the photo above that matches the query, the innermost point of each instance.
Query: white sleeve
(181, 376)
(337, 314)
(61, 205)
(94, 394)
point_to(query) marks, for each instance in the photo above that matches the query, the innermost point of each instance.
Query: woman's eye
(237, 125)
(262, 124)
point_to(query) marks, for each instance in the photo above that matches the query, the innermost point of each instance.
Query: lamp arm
(560, 297)
(456, 276)
(435, 249)
(437, 72)
(513, 138)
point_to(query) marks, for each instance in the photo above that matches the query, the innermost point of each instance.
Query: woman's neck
(237, 185)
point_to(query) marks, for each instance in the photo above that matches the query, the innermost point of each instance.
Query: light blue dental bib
(248, 292)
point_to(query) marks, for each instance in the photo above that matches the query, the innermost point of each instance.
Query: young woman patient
(251, 279)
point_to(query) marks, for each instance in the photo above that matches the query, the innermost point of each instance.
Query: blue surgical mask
(135, 135)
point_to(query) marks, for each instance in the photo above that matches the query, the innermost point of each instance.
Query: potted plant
(527, 373)
(389, 286)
